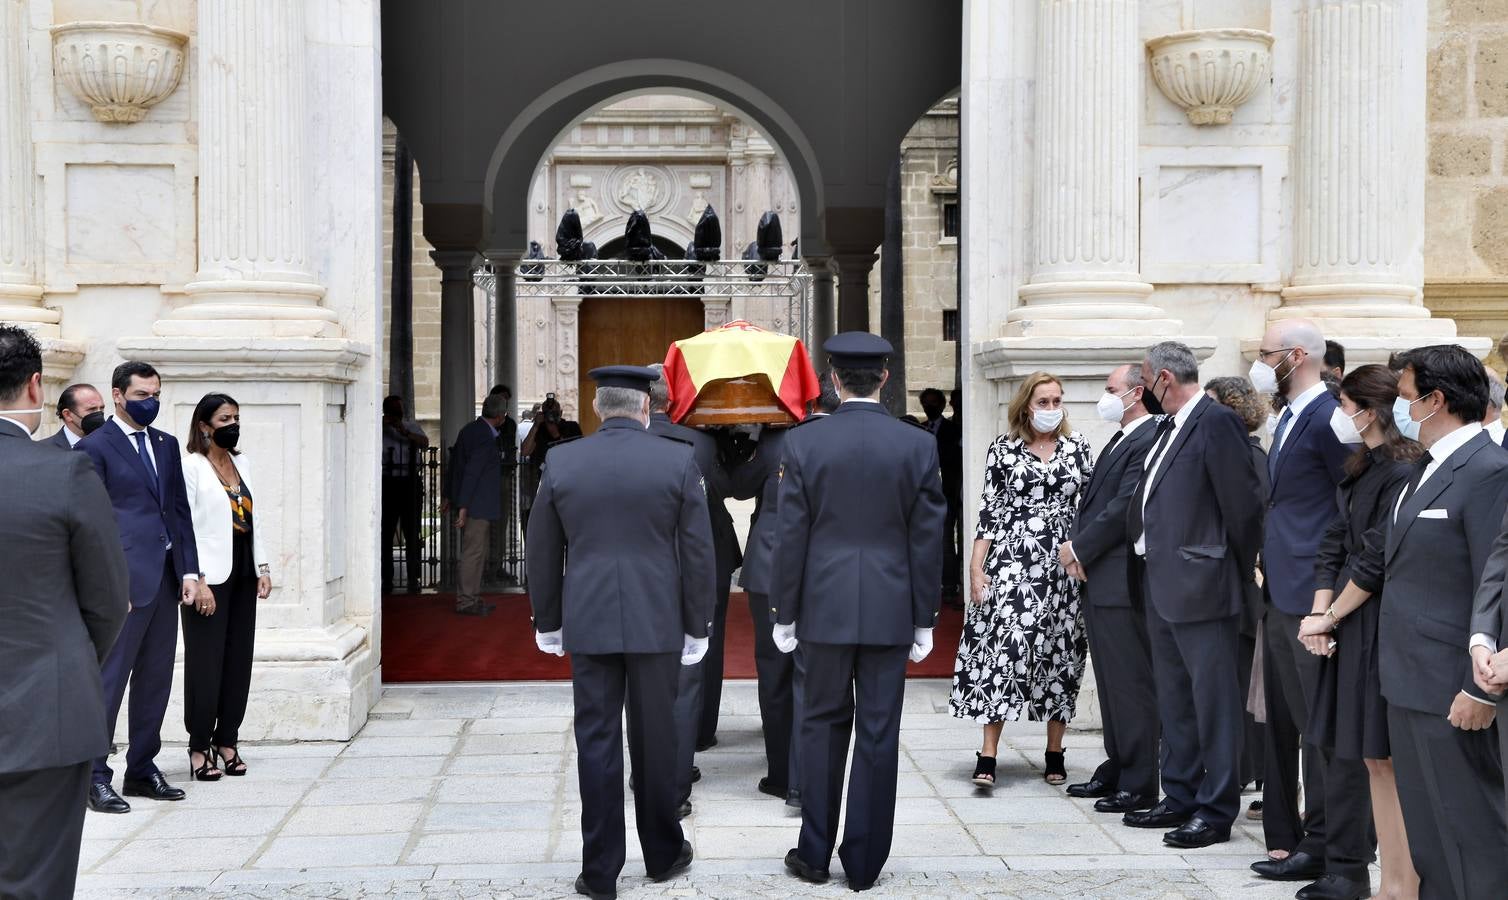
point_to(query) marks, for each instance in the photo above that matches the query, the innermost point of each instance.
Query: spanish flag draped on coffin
(739, 374)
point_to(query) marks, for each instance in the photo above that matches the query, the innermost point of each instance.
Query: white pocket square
(1433, 514)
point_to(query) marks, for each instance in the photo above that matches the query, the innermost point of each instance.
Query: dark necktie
(1134, 524)
(1284, 421)
(146, 458)
(1413, 485)
(1109, 448)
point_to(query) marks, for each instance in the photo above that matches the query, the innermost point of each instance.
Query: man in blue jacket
(477, 467)
(1305, 464)
(143, 473)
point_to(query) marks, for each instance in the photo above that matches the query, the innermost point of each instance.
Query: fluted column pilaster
(255, 268)
(1085, 210)
(1359, 167)
(20, 290)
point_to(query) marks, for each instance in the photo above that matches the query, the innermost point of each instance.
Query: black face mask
(1150, 399)
(92, 422)
(228, 436)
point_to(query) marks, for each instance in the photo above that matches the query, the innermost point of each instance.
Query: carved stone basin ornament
(1212, 71)
(121, 69)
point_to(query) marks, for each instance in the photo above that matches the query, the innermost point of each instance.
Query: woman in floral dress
(1022, 652)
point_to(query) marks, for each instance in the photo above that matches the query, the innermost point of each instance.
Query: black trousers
(1450, 784)
(400, 510)
(1336, 824)
(850, 688)
(41, 824)
(143, 658)
(600, 686)
(1122, 657)
(1199, 705)
(953, 544)
(711, 666)
(776, 672)
(217, 654)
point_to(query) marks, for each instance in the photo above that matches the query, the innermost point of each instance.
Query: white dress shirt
(1439, 452)
(131, 434)
(1296, 408)
(1495, 430)
(73, 439)
(1126, 431)
(23, 428)
(1179, 418)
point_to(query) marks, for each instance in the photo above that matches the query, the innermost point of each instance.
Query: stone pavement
(469, 791)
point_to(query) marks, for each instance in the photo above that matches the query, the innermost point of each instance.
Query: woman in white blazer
(218, 642)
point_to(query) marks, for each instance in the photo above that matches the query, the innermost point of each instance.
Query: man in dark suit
(1440, 721)
(1096, 554)
(478, 500)
(143, 473)
(1195, 523)
(701, 686)
(858, 556)
(1305, 465)
(62, 601)
(950, 455)
(759, 477)
(81, 409)
(632, 604)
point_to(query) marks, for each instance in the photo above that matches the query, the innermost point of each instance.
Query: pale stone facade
(1466, 242)
(233, 234)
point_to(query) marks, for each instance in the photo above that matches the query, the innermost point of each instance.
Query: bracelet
(263, 570)
(1331, 613)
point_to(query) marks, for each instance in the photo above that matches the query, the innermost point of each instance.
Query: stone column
(567, 377)
(400, 379)
(255, 274)
(1086, 208)
(1359, 178)
(457, 342)
(853, 288)
(893, 295)
(820, 325)
(505, 325)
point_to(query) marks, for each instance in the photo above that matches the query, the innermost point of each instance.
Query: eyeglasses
(1266, 353)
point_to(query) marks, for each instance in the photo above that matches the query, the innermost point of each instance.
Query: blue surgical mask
(143, 412)
(1405, 421)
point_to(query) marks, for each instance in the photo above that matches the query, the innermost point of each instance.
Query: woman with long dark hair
(218, 641)
(1348, 715)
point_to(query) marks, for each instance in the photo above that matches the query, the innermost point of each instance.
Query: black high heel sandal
(1055, 768)
(206, 772)
(984, 771)
(234, 766)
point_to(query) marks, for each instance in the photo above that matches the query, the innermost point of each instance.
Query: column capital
(454, 265)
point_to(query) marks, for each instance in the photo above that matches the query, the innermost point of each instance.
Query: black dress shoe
(1298, 866)
(774, 790)
(1334, 887)
(103, 799)
(696, 774)
(1196, 833)
(795, 866)
(1159, 816)
(681, 864)
(683, 810)
(1091, 788)
(154, 787)
(793, 798)
(585, 890)
(708, 744)
(1122, 802)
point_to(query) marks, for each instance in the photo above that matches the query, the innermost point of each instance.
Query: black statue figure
(638, 242)
(707, 245)
(568, 239)
(532, 271)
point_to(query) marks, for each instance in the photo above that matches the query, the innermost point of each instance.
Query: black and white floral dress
(1021, 655)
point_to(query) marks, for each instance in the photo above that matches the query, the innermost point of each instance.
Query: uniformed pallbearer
(631, 604)
(858, 564)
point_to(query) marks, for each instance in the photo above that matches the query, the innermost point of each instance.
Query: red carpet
(424, 640)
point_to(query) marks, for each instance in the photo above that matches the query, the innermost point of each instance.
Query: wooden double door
(630, 331)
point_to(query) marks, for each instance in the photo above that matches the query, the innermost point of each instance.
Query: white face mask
(14, 413)
(1344, 426)
(1111, 407)
(1046, 420)
(1264, 377)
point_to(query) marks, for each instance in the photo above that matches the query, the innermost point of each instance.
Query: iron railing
(440, 542)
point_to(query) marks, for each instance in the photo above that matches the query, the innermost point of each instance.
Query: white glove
(550, 641)
(785, 637)
(693, 650)
(921, 644)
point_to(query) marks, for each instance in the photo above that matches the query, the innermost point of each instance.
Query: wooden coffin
(737, 401)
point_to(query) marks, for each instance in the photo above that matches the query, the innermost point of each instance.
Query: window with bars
(950, 325)
(950, 219)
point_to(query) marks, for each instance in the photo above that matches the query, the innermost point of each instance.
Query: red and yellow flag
(740, 349)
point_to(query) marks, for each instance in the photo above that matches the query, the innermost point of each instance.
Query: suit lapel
(1295, 431)
(127, 450)
(1179, 439)
(1430, 490)
(1108, 462)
